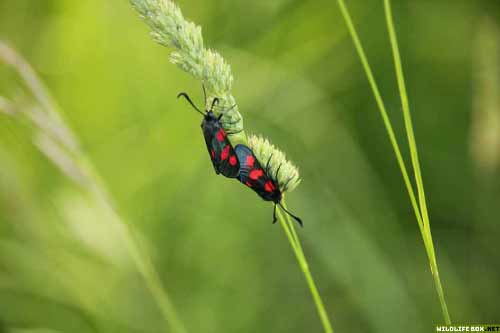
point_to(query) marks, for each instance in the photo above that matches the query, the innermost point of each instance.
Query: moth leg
(274, 215)
(267, 164)
(277, 172)
(232, 122)
(223, 113)
(235, 132)
(285, 186)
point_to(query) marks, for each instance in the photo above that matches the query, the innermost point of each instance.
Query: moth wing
(243, 152)
(221, 151)
(250, 168)
(226, 158)
(253, 175)
(209, 135)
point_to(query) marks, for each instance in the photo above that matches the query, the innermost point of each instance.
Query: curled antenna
(186, 96)
(296, 218)
(214, 102)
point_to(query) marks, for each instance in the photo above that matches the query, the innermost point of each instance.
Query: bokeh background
(298, 81)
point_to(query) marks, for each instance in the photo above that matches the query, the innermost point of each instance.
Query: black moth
(219, 148)
(239, 162)
(260, 180)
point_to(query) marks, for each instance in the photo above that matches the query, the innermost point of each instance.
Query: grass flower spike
(288, 175)
(171, 29)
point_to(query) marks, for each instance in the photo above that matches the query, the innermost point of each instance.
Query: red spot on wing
(225, 153)
(269, 186)
(256, 174)
(250, 161)
(248, 184)
(221, 135)
(212, 153)
(233, 160)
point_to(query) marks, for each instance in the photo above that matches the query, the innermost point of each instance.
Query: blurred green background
(298, 81)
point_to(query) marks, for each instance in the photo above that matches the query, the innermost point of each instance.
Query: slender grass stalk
(382, 110)
(420, 208)
(60, 145)
(414, 153)
(289, 228)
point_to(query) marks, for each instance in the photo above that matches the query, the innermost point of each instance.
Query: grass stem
(289, 228)
(420, 207)
(414, 153)
(382, 110)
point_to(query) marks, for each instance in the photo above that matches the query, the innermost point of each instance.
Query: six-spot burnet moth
(239, 162)
(261, 180)
(219, 148)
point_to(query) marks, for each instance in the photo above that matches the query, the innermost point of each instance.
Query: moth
(219, 147)
(260, 179)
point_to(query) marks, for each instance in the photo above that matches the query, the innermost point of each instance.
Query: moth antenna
(215, 101)
(186, 96)
(296, 218)
(204, 93)
(274, 215)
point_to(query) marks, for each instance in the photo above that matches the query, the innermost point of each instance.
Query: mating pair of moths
(238, 162)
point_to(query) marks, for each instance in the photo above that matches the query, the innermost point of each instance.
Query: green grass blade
(289, 228)
(420, 211)
(382, 110)
(414, 155)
